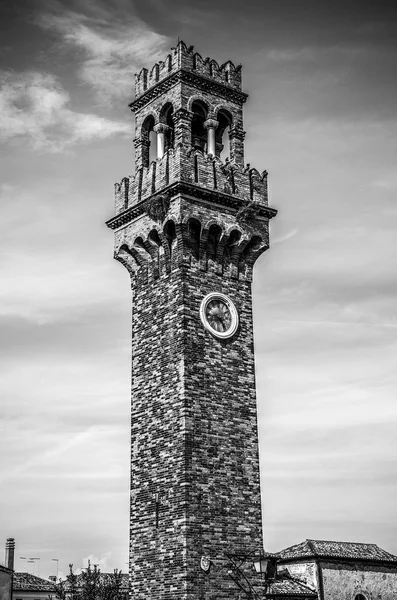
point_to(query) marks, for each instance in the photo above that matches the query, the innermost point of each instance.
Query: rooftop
(339, 550)
(286, 587)
(27, 581)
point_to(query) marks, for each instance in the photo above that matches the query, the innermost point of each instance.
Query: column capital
(162, 128)
(211, 124)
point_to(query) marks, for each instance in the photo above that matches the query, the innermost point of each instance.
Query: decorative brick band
(196, 192)
(199, 81)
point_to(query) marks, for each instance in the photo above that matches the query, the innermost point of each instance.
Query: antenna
(33, 559)
(57, 561)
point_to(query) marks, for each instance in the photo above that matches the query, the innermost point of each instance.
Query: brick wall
(195, 487)
(195, 471)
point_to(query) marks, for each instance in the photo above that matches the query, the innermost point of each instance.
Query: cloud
(285, 237)
(114, 46)
(34, 106)
(102, 562)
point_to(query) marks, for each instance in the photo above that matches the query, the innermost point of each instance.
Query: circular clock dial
(219, 315)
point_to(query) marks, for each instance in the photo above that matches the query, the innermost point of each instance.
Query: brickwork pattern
(195, 168)
(186, 225)
(195, 467)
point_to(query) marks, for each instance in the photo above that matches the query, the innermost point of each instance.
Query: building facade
(7, 570)
(5, 583)
(342, 570)
(189, 227)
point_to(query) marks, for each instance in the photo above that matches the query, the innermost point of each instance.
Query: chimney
(9, 555)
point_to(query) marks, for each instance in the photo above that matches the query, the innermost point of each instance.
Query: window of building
(199, 133)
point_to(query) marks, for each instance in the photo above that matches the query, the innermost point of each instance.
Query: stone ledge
(195, 191)
(199, 81)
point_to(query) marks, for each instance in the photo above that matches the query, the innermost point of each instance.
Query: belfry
(189, 226)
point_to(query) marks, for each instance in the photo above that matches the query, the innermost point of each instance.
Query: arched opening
(254, 244)
(359, 597)
(231, 244)
(214, 235)
(152, 146)
(127, 258)
(167, 117)
(199, 133)
(154, 237)
(170, 234)
(194, 233)
(225, 120)
(149, 141)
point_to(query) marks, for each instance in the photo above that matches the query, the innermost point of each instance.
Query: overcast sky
(321, 118)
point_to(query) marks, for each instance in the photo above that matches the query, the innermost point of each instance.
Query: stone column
(211, 125)
(161, 129)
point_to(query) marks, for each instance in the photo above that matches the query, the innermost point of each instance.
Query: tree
(91, 584)
(68, 589)
(111, 588)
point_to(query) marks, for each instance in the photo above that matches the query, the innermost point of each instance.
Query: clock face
(219, 315)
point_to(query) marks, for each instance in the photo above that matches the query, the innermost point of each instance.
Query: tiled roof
(26, 581)
(341, 550)
(286, 587)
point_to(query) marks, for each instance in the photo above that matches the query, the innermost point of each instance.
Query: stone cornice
(203, 83)
(336, 560)
(195, 192)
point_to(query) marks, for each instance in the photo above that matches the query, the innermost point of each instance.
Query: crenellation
(184, 58)
(196, 167)
(141, 81)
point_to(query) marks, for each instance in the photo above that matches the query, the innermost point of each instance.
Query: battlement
(196, 168)
(184, 58)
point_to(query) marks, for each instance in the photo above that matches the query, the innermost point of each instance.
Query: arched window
(199, 133)
(231, 244)
(360, 597)
(154, 238)
(167, 117)
(253, 245)
(170, 234)
(194, 233)
(225, 120)
(152, 146)
(214, 235)
(149, 141)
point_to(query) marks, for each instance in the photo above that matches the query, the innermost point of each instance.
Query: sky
(321, 118)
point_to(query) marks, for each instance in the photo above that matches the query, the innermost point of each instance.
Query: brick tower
(189, 227)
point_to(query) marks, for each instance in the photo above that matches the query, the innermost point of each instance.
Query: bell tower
(189, 226)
